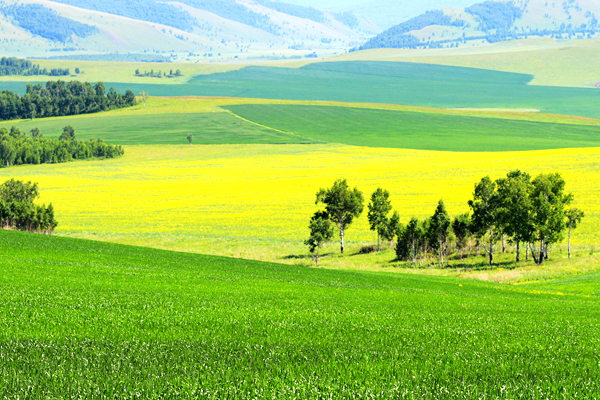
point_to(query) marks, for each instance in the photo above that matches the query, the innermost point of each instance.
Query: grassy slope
(394, 83)
(381, 82)
(83, 318)
(168, 121)
(206, 128)
(254, 201)
(552, 62)
(410, 130)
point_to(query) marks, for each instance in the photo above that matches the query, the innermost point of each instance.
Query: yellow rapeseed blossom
(268, 191)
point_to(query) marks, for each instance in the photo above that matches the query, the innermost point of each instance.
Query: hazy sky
(386, 13)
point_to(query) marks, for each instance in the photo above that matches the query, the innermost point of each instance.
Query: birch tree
(144, 97)
(439, 228)
(379, 208)
(515, 206)
(461, 226)
(485, 215)
(549, 202)
(574, 217)
(321, 232)
(342, 205)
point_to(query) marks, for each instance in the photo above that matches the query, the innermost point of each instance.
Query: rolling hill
(261, 30)
(199, 29)
(492, 21)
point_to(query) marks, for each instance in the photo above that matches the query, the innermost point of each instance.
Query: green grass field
(99, 320)
(161, 129)
(420, 131)
(274, 123)
(380, 82)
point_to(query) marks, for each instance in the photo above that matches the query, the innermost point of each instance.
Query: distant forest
(347, 18)
(495, 15)
(230, 9)
(46, 23)
(158, 74)
(115, 57)
(17, 66)
(167, 14)
(294, 10)
(59, 98)
(18, 148)
(397, 37)
(144, 10)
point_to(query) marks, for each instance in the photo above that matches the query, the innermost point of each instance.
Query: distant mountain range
(217, 29)
(225, 30)
(493, 21)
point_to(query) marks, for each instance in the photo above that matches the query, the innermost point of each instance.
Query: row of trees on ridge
(534, 213)
(17, 148)
(58, 98)
(18, 66)
(158, 74)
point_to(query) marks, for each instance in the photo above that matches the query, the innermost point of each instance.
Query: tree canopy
(58, 98)
(18, 211)
(18, 148)
(342, 205)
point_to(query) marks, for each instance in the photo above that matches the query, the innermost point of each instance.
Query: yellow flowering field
(170, 196)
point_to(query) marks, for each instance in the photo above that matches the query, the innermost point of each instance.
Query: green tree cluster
(531, 212)
(59, 98)
(158, 74)
(342, 206)
(17, 148)
(526, 211)
(18, 211)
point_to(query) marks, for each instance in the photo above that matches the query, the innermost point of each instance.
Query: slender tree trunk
(569, 241)
(526, 251)
(342, 236)
(541, 254)
(491, 251)
(378, 241)
(546, 251)
(533, 254)
(503, 244)
(518, 250)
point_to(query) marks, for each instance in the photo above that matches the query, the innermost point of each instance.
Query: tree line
(143, 10)
(158, 74)
(19, 212)
(18, 148)
(532, 213)
(17, 66)
(58, 98)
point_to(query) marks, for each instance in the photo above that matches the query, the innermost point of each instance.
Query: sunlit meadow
(220, 199)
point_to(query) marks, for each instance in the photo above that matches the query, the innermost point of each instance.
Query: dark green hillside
(381, 82)
(386, 82)
(419, 131)
(89, 319)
